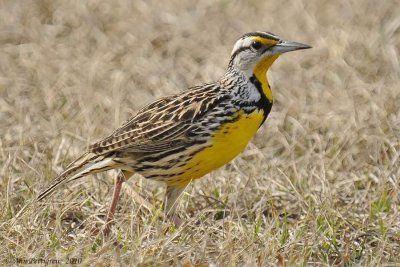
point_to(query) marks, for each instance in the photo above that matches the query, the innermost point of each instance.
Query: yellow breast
(227, 143)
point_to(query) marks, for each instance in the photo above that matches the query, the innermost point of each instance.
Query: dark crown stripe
(266, 35)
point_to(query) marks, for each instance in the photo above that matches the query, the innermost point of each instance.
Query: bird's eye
(255, 45)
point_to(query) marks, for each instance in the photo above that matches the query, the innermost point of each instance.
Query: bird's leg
(121, 177)
(171, 202)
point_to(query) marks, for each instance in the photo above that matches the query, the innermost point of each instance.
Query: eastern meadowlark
(182, 137)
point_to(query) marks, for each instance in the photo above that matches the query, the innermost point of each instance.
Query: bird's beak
(286, 46)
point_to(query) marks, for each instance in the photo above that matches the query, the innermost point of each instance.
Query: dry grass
(319, 185)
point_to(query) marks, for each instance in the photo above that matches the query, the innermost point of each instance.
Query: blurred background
(72, 71)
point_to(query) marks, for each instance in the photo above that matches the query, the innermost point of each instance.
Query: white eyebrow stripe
(243, 42)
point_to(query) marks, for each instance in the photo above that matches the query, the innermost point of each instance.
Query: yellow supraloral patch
(265, 41)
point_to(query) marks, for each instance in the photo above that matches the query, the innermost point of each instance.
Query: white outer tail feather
(88, 163)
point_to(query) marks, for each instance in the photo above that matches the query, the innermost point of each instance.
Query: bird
(182, 137)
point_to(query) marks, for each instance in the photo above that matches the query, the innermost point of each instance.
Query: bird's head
(255, 52)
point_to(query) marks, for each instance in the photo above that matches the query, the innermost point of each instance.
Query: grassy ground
(319, 184)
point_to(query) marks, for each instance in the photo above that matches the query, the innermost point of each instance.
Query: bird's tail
(88, 163)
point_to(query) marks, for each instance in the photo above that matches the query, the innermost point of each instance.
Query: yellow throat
(260, 72)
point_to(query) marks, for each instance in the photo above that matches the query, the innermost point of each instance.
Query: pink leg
(171, 203)
(110, 215)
